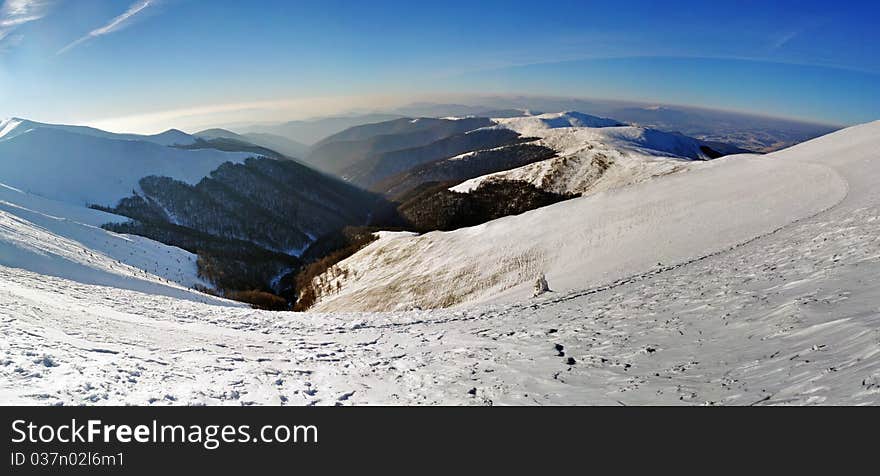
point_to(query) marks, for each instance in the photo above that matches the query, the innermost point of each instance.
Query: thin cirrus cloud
(784, 40)
(113, 25)
(15, 13)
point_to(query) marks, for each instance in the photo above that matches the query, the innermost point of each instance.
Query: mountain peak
(579, 119)
(531, 125)
(10, 124)
(173, 137)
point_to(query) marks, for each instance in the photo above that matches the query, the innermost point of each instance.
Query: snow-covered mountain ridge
(608, 236)
(594, 154)
(85, 166)
(50, 174)
(13, 127)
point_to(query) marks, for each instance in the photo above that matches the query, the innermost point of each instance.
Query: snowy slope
(595, 168)
(48, 176)
(85, 169)
(58, 239)
(601, 238)
(789, 316)
(14, 127)
(594, 154)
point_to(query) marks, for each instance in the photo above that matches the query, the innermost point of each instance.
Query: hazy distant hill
(376, 168)
(288, 147)
(747, 131)
(466, 166)
(310, 131)
(341, 151)
(275, 144)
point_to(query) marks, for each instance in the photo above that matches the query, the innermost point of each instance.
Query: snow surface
(783, 312)
(61, 163)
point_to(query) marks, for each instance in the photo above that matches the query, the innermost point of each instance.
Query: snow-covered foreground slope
(83, 167)
(790, 315)
(594, 154)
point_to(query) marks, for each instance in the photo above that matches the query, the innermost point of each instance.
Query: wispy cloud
(15, 13)
(113, 25)
(784, 39)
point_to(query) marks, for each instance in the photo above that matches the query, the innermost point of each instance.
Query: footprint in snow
(345, 396)
(47, 361)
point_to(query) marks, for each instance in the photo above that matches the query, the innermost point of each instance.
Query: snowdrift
(612, 235)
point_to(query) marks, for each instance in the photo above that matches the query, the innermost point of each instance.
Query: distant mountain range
(311, 131)
(347, 149)
(745, 131)
(396, 156)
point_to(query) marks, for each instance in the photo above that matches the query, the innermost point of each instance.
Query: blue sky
(143, 64)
